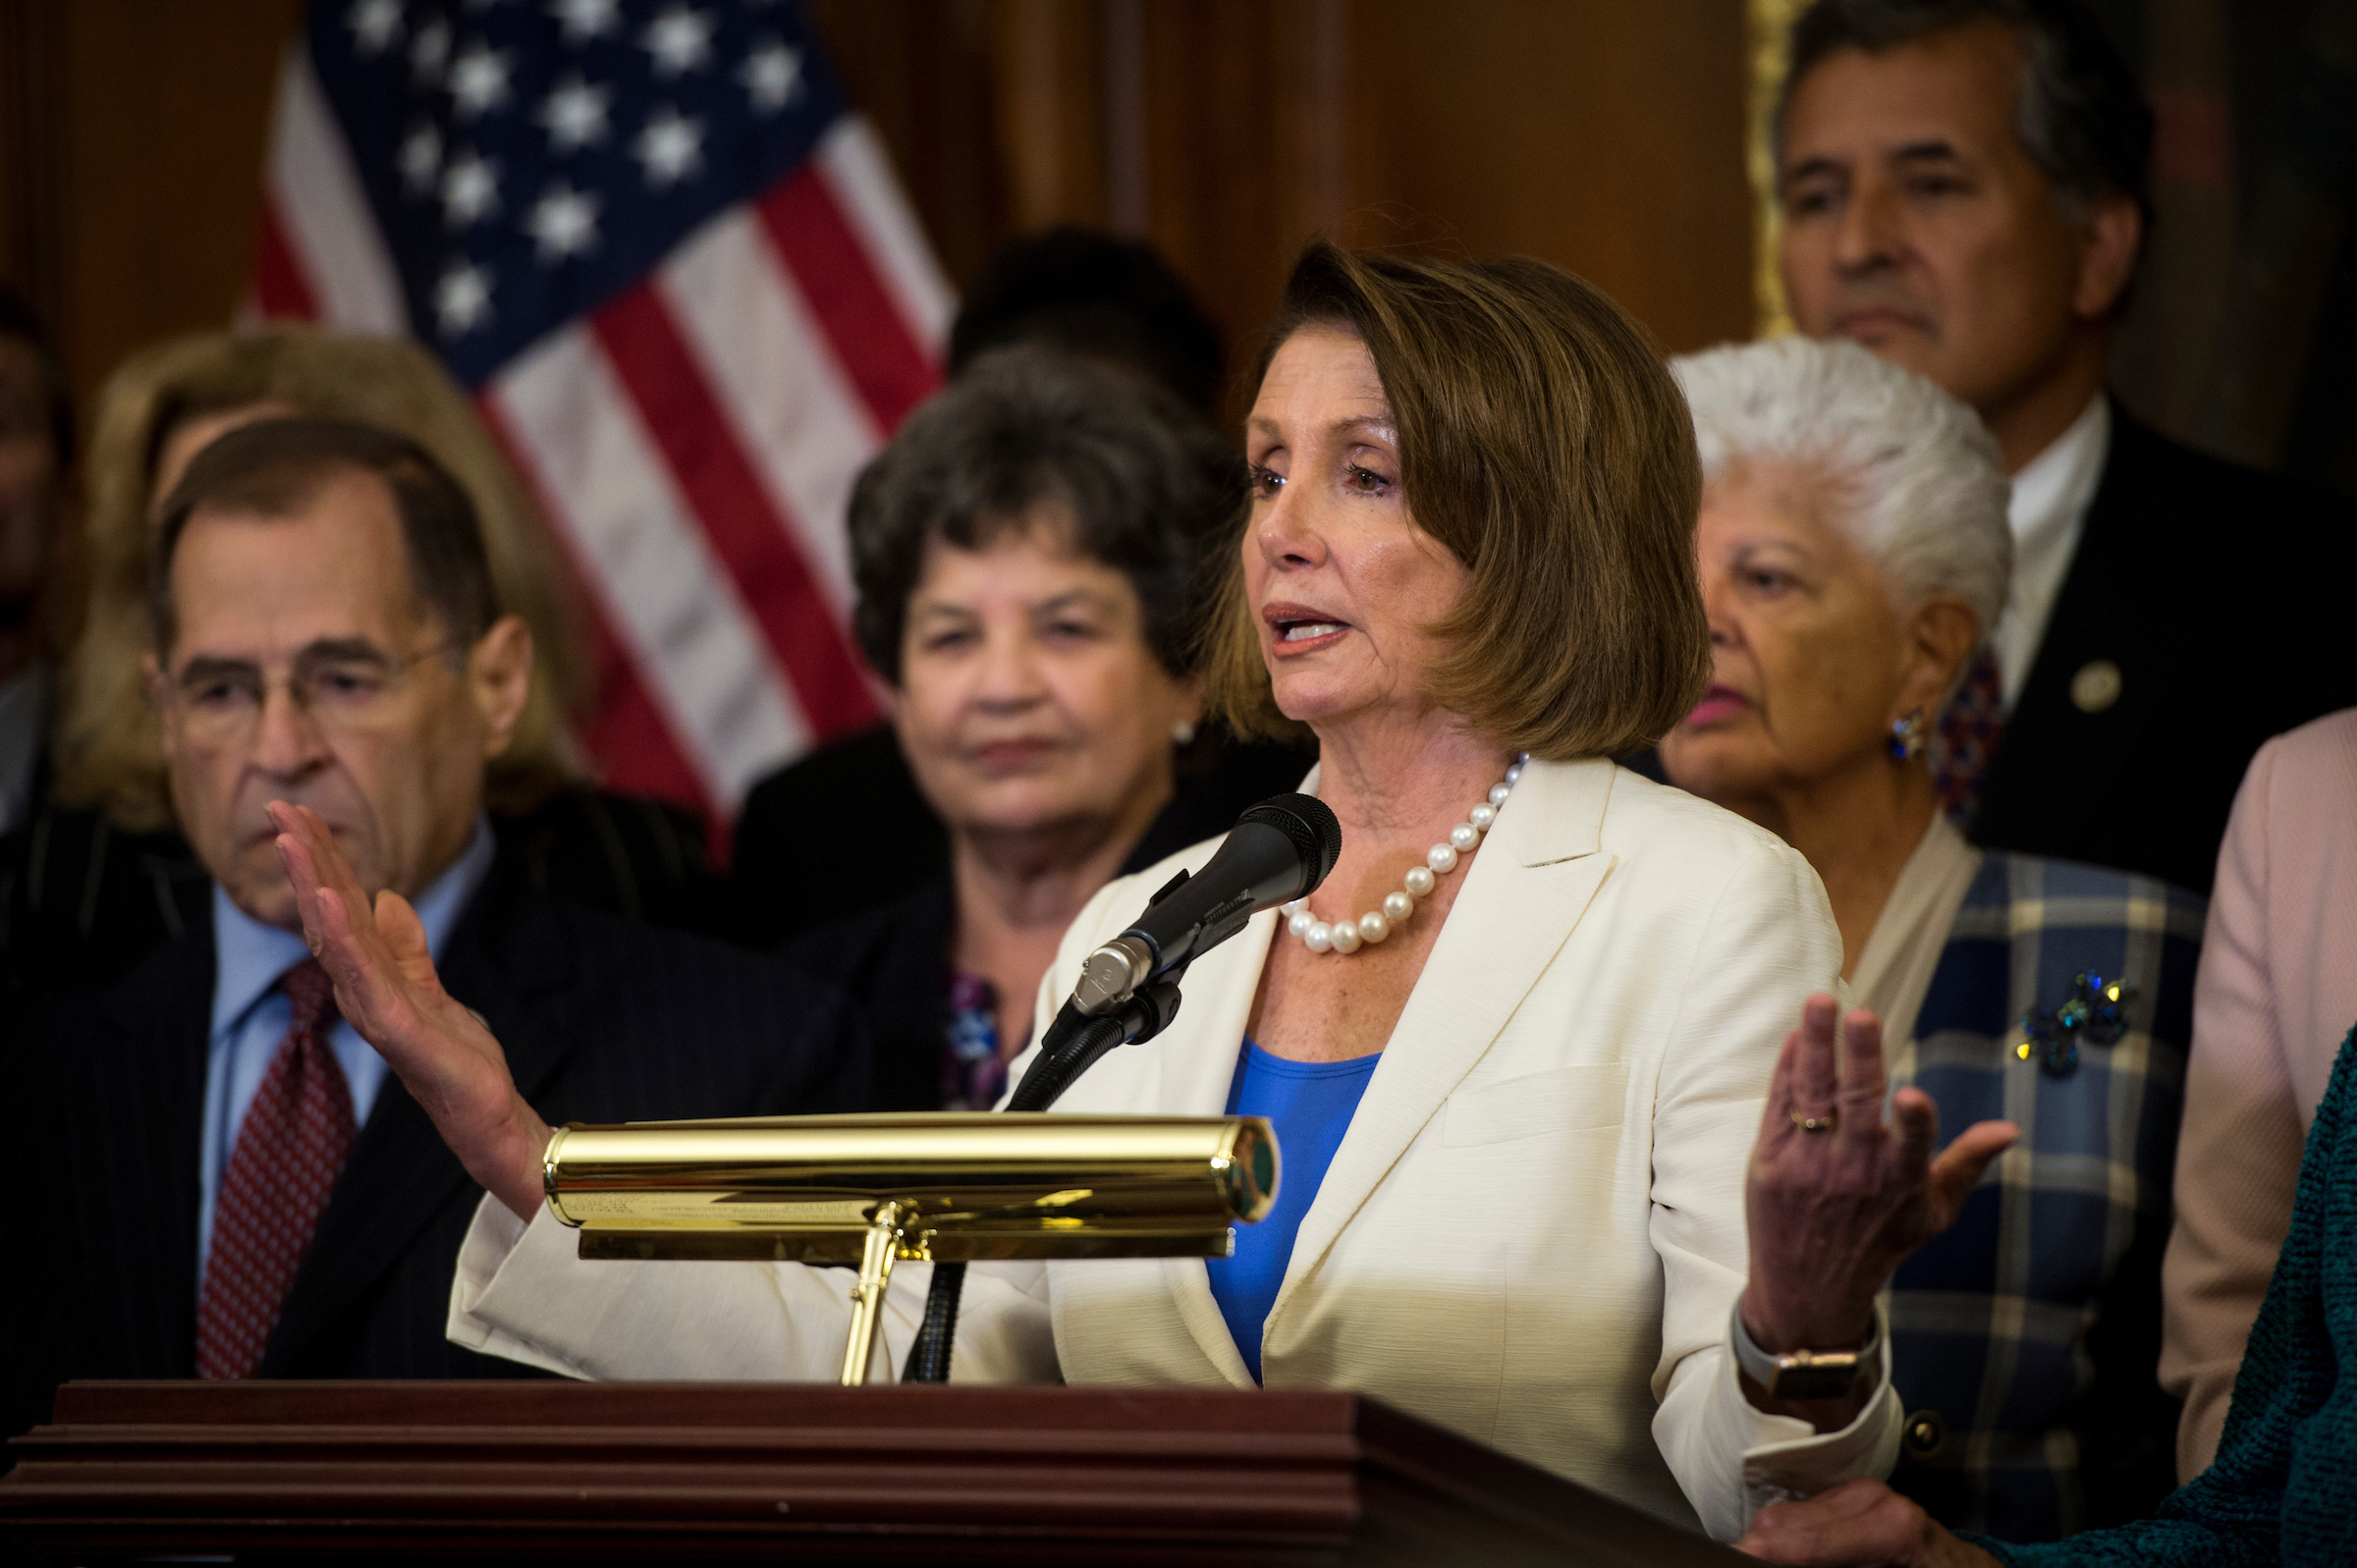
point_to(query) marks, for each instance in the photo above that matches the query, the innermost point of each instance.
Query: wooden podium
(793, 1473)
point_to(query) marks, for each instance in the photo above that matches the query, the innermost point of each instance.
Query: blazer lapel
(1528, 886)
(2055, 766)
(399, 1172)
(1196, 1084)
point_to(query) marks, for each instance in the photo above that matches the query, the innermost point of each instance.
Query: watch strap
(1803, 1373)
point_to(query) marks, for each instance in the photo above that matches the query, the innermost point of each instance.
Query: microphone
(1277, 851)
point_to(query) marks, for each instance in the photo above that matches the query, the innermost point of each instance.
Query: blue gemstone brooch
(2092, 1014)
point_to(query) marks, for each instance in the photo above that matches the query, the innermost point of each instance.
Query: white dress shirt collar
(2047, 514)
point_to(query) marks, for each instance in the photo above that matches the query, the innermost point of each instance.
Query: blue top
(250, 1016)
(1310, 1103)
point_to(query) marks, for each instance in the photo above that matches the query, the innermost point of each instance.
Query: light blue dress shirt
(251, 1015)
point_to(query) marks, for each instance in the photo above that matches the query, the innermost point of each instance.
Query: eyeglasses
(340, 689)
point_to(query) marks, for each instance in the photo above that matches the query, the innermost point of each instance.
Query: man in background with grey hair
(1962, 185)
(217, 1176)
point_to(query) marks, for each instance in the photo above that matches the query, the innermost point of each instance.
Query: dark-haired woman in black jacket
(1026, 553)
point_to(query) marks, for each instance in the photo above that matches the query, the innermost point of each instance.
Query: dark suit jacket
(895, 963)
(82, 903)
(2223, 596)
(601, 1021)
(845, 831)
(895, 959)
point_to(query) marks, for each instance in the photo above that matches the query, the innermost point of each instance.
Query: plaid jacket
(2032, 1326)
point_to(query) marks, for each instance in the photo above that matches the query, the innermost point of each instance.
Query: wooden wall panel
(922, 70)
(1050, 63)
(154, 178)
(1606, 137)
(1602, 135)
(30, 152)
(1224, 112)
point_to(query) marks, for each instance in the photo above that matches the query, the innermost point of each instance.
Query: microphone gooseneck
(1277, 851)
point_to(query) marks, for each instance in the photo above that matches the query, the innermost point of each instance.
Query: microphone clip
(1110, 975)
(1113, 974)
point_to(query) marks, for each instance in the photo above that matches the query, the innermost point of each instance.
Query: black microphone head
(1310, 823)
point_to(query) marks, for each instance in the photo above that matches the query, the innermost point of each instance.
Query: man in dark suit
(1962, 185)
(224, 1179)
(36, 451)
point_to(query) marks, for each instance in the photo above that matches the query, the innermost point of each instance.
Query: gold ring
(1807, 1123)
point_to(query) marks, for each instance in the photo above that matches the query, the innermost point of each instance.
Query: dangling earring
(1906, 737)
(1182, 734)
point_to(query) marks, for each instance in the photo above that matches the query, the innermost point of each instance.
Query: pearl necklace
(1349, 936)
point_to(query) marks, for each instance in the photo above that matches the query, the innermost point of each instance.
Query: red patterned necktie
(1966, 737)
(280, 1172)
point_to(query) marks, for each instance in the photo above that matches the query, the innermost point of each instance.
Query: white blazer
(1532, 1232)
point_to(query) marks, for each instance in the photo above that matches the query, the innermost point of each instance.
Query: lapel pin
(2096, 687)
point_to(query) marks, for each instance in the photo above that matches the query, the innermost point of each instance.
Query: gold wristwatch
(1805, 1373)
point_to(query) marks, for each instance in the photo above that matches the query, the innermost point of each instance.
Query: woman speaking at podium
(1517, 1044)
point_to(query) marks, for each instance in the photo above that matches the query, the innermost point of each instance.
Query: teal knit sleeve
(2283, 1487)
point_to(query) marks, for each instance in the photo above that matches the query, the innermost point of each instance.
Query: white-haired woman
(1854, 553)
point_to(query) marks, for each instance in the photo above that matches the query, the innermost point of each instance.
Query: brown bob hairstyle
(1544, 443)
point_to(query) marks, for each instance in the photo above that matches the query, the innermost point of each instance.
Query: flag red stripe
(656, 367)
(835, 274)
(631, 738)
(281, 291)
(630, 733)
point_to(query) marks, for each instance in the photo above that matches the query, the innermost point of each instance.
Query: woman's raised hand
(1838, 1196)
(387, 990)
(1859, 1523)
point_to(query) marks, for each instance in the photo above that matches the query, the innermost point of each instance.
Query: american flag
(675, 273)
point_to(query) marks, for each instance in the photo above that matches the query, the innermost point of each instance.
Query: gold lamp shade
(959, 1187)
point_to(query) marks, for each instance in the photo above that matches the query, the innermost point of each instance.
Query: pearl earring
(1906, 737)
(1182, 734)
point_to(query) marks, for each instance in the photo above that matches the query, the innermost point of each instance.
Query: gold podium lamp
(952, 1187)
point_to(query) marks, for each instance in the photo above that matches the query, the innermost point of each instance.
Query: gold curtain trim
(1769, 24)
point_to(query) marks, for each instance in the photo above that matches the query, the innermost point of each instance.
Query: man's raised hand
(375, 952)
